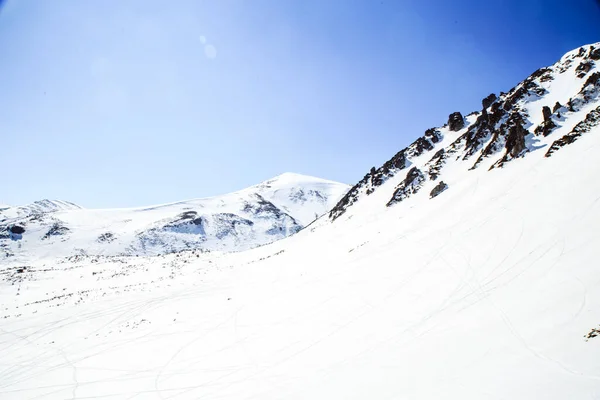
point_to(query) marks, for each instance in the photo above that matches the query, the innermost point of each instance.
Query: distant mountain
(260, 214)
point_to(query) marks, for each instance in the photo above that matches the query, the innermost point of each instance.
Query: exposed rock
(106, 237)
(548, 125)
(515, 142)
(477, 134)
(594, 53)
(556, 107)
(439, 188)
(514, 133)
(583, 68)
(589, 92)
(373, 179)
(547, 113)
(527, 88)
(456, 121)
(409, 186)
(488, 101)
(17, 230)
(545, 128)
(592, 334)
(591, 120)
(56, 230)
(187, 215)
(436, 163)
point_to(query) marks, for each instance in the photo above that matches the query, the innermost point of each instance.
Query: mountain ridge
(517, 123)
(270, 210)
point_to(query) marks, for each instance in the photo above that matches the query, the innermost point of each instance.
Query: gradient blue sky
(126, 103)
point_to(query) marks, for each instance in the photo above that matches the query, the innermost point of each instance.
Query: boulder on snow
(456, 121)
(439, 188)
(17, 230)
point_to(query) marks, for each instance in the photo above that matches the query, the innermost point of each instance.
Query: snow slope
(248, 218)
(489, 290)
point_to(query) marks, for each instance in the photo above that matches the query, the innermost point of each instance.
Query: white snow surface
(484, 292)
(237, 221)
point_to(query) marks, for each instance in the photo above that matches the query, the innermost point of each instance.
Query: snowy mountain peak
(236, 221)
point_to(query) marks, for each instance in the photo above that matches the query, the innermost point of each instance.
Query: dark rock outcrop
(436, 163)
(106, 237)
(515, 142)
(439, 188)
(548, 125)
(527, 88)
(409, 186)
(56, 230)
(591, 120)
(556, 107)
(583, 68)
(547, 113)
(17, 229)
(456, 121)
(488, 101)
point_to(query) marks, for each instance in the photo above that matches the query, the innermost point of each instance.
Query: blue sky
(125, 103)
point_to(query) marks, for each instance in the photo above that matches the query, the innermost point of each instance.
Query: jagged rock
(548, 125)
(488, 101)
(433, 134)
(477, 135)
(409, 186)
(514, 133)
(373, 179)
(439, 188)
(547, 113)
(515, 142)
(594, 53)
(545, 128)
(528, 87)
(556, 107)
(106, 237)
(436, 163)
(17, 230)
(591, 120)
(583, 68)
(55, 230)
(187, 215)
(197, 221)
(456, 121)
(588, 93)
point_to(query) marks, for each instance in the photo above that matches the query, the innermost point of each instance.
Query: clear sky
(122, 103)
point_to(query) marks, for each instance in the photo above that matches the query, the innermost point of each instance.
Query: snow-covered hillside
(486, 289)
(548, 110)
(248, 218)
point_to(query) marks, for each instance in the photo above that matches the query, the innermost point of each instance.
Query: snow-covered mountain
(550, 109)
(237, 221)
(485, 287)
